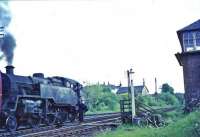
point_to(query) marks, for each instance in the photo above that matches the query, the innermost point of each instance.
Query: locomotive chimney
(9, 69)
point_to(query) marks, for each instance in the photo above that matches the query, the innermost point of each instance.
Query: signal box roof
(192, 27)
(195, 26)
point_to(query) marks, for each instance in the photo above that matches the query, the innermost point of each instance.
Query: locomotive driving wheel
(58, 118)
(34, 121)
(71, 116)
(11, 123)
(80, 116)
(51, 119)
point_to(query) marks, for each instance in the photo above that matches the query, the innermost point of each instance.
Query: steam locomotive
(35, 100)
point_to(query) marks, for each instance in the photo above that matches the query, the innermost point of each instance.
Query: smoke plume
(7, 41)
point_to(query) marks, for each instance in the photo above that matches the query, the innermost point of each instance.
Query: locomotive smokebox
(10, 69)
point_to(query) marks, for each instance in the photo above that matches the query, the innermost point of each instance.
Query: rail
(92, 121)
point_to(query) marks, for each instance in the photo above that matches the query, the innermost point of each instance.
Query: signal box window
(191, 41)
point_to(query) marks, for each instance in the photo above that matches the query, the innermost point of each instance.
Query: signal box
(189, 59)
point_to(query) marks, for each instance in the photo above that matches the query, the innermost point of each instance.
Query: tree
(100, 98)
(166, 88)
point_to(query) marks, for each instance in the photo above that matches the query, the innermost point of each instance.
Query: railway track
(92, 123)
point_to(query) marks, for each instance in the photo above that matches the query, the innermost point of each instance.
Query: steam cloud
(7, 41)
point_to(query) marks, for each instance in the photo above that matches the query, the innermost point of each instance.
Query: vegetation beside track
(186, 126)
(100, 99)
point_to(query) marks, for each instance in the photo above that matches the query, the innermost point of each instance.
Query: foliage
(173, 116)
(166, 88)
(100, 98)
(163, 99)
(123, 96)
(180, 97)
(185, 127)
(151, 100)
(169, 98)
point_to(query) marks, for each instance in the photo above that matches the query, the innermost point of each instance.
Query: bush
(163, 99)
(147, 100)
(100, 98)
(169, 99)
(151, 100)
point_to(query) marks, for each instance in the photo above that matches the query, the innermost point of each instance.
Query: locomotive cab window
(191, 41)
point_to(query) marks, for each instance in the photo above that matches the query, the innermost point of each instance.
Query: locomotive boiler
(35, 100)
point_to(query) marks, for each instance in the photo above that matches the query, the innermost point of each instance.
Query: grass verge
(187, 126)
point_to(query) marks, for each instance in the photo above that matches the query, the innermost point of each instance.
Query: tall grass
(189, 126)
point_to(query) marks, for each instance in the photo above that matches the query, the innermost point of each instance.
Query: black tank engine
(36, 100)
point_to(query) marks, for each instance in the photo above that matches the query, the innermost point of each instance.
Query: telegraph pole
(131, 91)
(156, 91)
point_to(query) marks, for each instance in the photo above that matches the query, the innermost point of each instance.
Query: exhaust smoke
(7, 41)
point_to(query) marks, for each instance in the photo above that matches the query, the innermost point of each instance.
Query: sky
(98, 40)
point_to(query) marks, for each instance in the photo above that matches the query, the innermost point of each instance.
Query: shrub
(169, 98)
(100, 98)
(151, 100)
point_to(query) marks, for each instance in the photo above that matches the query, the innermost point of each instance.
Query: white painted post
(133, 100)
(130, 83)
